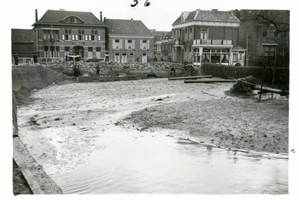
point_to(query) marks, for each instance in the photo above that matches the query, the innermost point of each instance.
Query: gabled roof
(167, 36)
(55, 17)
(21, 36)
(127, 27)
(207, 15)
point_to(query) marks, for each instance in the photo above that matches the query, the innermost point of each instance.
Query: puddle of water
(134, 162)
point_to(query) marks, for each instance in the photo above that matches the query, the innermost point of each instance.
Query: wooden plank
(248, 83)
(272, 90)
(210, 81)
(189, 77)
(37, 179)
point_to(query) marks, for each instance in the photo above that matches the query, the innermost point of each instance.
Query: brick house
(164, 47)
(202, 36)
(157, 43)
(129, 41)
(59, 33)
(22, 46)
(265, 33)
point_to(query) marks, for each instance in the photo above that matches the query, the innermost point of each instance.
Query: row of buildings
(59, 33)
(226, 37)
(238, 37)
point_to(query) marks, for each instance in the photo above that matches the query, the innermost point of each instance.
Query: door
(124, 58)
(117, 59)
(144, 58)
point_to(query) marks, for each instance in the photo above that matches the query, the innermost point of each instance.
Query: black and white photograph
(148, 97)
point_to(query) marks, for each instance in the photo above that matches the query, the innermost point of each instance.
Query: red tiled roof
(21, 36)
(127, 27)
(56, 16)
(208, 15)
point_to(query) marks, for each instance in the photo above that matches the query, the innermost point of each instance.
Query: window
(51, 51)
(66, 48)
(46, 49)
(98, 49)
(89, 48)
(129, 44)
(265, 33)
(190, 30)
(204, 33)
(80, 34)
(269, 51)
(62, 37)
(93, 34)
(73, 37)
(89, 37)
(86, 37)
(48, 35)
(67, 34)
(235, 58)
(116, 44)
(276, 34)
(144, 44)
(99, 37)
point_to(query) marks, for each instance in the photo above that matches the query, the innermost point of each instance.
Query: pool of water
(153, 162)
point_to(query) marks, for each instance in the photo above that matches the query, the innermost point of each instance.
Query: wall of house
(137, 51)
(255, 40)
(63, 43)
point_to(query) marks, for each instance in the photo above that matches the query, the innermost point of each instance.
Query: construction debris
(245, 85)
(211, 80)
(190, 77)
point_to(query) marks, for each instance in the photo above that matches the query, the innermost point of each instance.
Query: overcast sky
(159, 15)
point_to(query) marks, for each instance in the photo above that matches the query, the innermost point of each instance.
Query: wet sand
(61, 128)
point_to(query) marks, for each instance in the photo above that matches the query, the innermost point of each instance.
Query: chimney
(36, 16)
(101, 16)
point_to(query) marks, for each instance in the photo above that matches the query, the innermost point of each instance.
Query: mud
(62, 127)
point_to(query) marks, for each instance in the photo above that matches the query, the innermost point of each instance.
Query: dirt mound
(245, 85)
(27, 78)
(225, 123)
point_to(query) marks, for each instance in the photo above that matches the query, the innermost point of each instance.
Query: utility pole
(273, 70)
(247, 47)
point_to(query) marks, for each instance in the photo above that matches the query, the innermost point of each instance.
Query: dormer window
(72, 20)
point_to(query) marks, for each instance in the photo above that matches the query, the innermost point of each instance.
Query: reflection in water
(140, 163)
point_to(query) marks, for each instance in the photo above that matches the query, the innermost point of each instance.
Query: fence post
(273, 72)
(14, 115)
(262, 84)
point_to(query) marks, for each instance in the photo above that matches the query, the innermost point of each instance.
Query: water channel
(134, 162)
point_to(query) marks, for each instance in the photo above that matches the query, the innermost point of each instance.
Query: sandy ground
(61, 128)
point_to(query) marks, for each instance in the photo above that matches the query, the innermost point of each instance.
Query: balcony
(203, 42)
(178, 42)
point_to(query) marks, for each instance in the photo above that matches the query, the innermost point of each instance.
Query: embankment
(27, 78)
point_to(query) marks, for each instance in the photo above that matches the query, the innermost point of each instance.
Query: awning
(238, 48)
